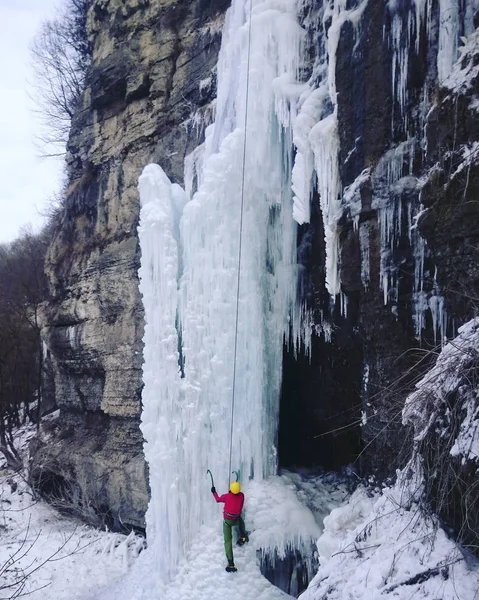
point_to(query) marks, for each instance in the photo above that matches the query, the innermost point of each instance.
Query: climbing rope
(241, 238)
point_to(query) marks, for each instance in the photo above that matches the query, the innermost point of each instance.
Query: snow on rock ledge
(453, 379)
(382, 544)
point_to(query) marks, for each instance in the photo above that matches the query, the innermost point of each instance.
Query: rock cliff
(153, 69)
(408, 167)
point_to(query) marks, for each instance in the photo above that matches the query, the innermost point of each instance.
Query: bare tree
(61, 53)
(18, 571)
(22, 289)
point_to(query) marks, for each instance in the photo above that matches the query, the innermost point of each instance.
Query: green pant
(228, 525)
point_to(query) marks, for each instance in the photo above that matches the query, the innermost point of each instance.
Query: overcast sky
(26, 181)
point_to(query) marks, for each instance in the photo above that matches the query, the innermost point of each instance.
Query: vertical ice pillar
(195, 311)
(449, 32)
(159, 289)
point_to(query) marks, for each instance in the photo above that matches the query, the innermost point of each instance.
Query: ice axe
(237, 474)
(211, 475)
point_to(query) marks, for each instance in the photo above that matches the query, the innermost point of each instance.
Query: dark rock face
(450, 225)
(316, 397)
(143, 92)
(92, 466)
(396, 150)
(450, 195)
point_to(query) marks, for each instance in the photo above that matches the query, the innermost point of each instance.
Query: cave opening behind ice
(320, 401)
(319, 396)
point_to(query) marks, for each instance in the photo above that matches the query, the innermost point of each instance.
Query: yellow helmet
(235, 487)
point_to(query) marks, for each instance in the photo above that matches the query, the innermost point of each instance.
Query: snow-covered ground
(387, 543)
(66, 560)
(370, 544)
(281, 512)
(44, 555)
(374, 543)
(382, 544)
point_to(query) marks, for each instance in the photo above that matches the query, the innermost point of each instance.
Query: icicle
(71, 335)
(365, 256)
(406, 25)
(343, 300)
(400, 41)
(311, 112)
(438, 313)
(422, 6)
(194, 166)
(449, 33)
(365, 380)
(324, 140)
(392, 174)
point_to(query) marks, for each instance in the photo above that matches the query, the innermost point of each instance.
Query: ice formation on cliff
(190, 281)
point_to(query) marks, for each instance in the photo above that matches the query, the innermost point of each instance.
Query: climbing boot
(231, 568)
(242, 540)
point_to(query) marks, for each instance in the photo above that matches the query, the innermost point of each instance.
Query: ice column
(189, 277)
(158, 286)
(449, 31)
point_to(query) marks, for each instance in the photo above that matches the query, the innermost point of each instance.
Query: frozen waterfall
(189, 283)
(220, 257)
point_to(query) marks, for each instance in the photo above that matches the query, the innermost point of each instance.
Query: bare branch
(61, 55)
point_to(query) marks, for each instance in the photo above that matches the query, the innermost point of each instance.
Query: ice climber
(233, 501)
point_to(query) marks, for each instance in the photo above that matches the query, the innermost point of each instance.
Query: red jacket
(233, 504)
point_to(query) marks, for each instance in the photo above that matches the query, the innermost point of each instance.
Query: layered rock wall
(153, 70)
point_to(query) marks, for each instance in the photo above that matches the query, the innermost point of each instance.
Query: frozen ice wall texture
(282, 140)
(196, 287)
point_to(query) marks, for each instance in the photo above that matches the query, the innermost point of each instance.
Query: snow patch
(46, 555)
(381, 543)
(453, 374)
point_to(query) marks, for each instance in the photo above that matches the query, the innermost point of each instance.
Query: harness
(231, 516)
